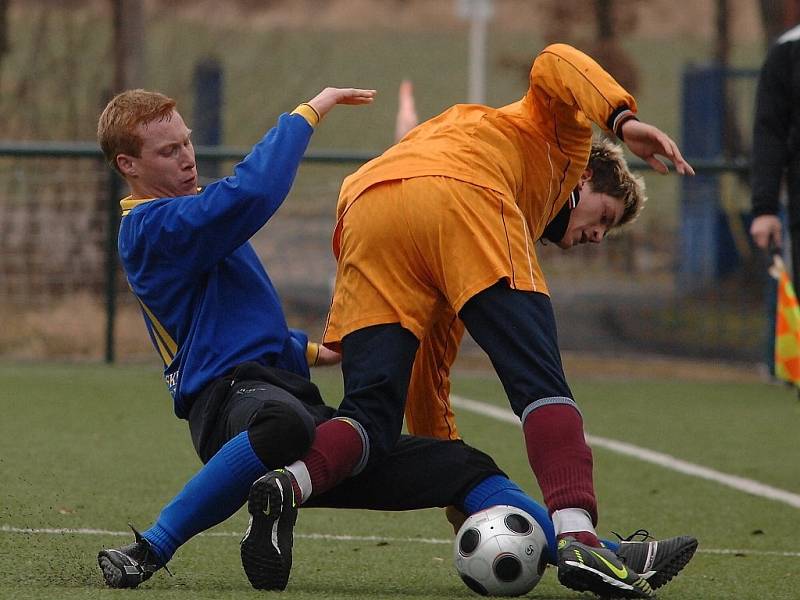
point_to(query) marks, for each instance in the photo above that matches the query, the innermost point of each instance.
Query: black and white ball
(500, 551)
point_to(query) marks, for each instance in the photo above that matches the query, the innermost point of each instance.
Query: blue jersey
(206, 299)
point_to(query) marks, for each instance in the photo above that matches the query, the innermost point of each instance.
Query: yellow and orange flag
(787, 326)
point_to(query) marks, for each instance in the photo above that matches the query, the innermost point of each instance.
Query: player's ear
(125, 165)
(585, 176)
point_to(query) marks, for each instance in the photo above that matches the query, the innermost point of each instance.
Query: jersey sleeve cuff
(618, 117)
(312, 353)
(308, 112)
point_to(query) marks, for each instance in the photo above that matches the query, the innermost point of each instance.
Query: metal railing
(90, 150)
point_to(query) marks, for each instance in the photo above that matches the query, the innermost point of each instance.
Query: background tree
(606, 48)
(3, 31)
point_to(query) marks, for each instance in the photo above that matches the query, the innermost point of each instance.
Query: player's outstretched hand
(646, 141)
(330, 97)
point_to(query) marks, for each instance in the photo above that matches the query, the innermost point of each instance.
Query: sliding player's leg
(239, 435)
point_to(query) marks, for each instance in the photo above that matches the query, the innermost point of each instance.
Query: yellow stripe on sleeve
(308, 113)
(170, 346)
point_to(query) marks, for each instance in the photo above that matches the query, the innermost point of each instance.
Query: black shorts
(418, 473)
(231, 404)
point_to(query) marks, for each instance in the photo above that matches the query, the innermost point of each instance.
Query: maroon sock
(584, 537)
(336, 451)
(298, 493)
(560, 458)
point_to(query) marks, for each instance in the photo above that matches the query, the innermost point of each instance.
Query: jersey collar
(129, 202)
(556, 229)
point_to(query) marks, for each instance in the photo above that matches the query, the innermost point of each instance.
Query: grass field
(87, 448)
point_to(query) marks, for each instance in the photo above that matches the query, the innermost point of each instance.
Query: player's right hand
(649, 142)
(766, 229)
(330, 97)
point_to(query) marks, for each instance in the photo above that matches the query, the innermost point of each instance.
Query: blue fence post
(207, 118)
(707, 249)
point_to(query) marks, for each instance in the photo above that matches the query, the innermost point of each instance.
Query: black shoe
(657, 561)
(585, 568)
(267, 544)
(130, 565)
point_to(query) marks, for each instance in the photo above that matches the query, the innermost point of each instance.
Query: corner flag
(787, 326)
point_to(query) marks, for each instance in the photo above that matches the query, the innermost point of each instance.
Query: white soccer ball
(500, 551)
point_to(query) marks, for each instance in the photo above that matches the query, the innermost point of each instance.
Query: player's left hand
(320, 356)
(646, 141)
(328, 357)
(330, 97)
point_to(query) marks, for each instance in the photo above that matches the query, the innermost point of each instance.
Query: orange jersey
(458, 205)
(532, 151)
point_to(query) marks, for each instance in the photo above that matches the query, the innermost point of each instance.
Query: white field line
(306, 536)
(503, 414)
(741, 484)
(337, 538)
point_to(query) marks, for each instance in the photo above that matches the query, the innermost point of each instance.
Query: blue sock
(217, 491)
(498, 489)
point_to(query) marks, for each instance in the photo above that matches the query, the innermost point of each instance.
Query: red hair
(116, 128)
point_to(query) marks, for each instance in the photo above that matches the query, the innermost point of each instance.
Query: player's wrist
(309, 113)
(619, 118)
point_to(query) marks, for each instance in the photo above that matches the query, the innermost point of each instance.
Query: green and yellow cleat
(598, 570)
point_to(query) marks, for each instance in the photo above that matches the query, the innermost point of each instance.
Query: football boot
(657, 561)
(130, 565)
(266, 547)
(598, 570)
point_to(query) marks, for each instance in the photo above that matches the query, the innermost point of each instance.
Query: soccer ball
(500, 551)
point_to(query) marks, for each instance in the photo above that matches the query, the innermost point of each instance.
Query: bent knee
(280, 434)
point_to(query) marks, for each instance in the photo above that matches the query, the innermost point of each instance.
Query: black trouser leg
(418, 473)
(376, 364)
(517, 330)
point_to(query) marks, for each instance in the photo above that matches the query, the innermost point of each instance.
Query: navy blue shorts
(516, 329)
